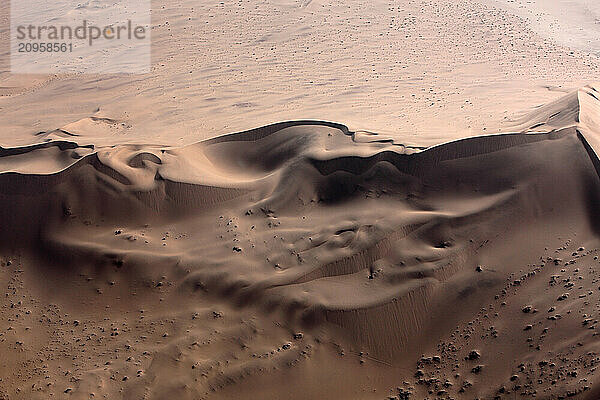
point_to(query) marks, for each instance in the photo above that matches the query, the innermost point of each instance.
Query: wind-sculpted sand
(302, 260)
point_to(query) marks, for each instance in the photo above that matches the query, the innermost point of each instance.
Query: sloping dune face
(303, 226)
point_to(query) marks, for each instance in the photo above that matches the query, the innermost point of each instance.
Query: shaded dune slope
(376, 241)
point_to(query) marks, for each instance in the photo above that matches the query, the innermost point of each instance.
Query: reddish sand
(301, 260)
(440, 242)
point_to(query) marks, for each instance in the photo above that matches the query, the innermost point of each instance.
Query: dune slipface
(327, 249)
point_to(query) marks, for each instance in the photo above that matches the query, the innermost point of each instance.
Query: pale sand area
(572, 23)
(421, 71)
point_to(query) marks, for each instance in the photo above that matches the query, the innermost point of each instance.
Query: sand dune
(255, 264)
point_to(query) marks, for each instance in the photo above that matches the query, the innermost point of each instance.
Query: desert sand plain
(310, 200)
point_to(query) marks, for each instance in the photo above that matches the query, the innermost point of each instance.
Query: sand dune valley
(309, 200)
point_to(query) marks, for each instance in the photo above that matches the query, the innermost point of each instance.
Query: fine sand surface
(572, 23)
(441, 241)
(302, 260)
(421, 71)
